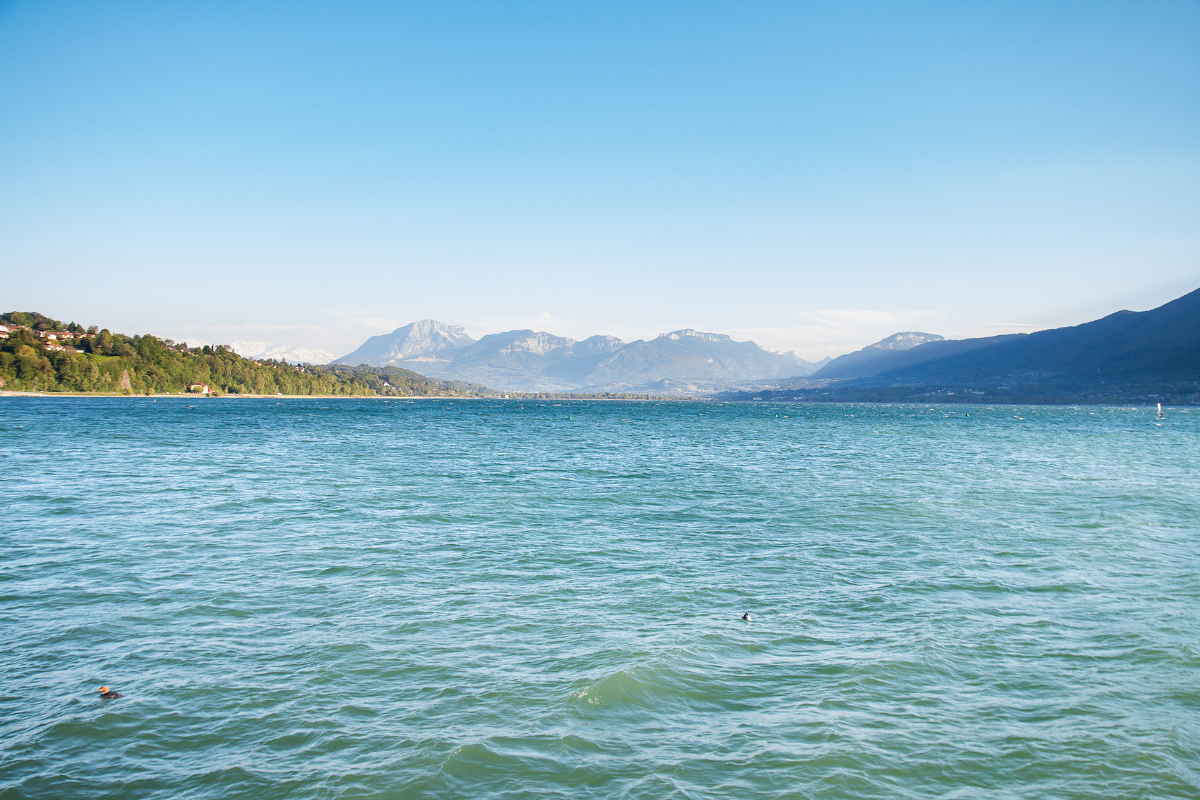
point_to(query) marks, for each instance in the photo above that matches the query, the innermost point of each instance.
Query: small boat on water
(1161, 415)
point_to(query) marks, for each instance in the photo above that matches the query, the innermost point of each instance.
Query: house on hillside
(199, 388)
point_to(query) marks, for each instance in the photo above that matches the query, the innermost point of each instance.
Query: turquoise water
(477, 599)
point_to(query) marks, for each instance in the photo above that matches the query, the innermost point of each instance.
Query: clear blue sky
(810, 176)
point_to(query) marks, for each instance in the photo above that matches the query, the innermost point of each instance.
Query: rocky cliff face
(427, 340)
(905, 341)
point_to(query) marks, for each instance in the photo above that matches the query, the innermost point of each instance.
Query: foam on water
(523, 599)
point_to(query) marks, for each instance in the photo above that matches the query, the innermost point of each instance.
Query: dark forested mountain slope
(1127, 347)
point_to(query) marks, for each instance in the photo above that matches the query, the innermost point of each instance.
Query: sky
(810, 176)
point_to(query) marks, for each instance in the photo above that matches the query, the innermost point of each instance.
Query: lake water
(478, 599)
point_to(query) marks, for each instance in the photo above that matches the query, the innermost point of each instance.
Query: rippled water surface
(478, 599)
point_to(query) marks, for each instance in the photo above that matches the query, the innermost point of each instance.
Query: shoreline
(4, 393)
(184, 396)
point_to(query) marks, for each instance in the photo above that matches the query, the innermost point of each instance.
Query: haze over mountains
(278, 352)
(525, 360)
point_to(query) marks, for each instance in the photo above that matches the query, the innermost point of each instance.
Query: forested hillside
(44, 355)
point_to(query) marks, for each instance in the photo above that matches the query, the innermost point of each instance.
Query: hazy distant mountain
(585, 356)
(280, 352)
(905, 341)
(806, 367)
(529, 360)
(414, 343)
(689, 355)
(875, 357)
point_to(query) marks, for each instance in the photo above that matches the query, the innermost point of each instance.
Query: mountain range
(535, 361)
(1123, 356)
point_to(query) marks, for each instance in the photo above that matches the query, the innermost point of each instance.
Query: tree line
(97, 360)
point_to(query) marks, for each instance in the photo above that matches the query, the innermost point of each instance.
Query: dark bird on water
(105, 694)
(746, 616)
